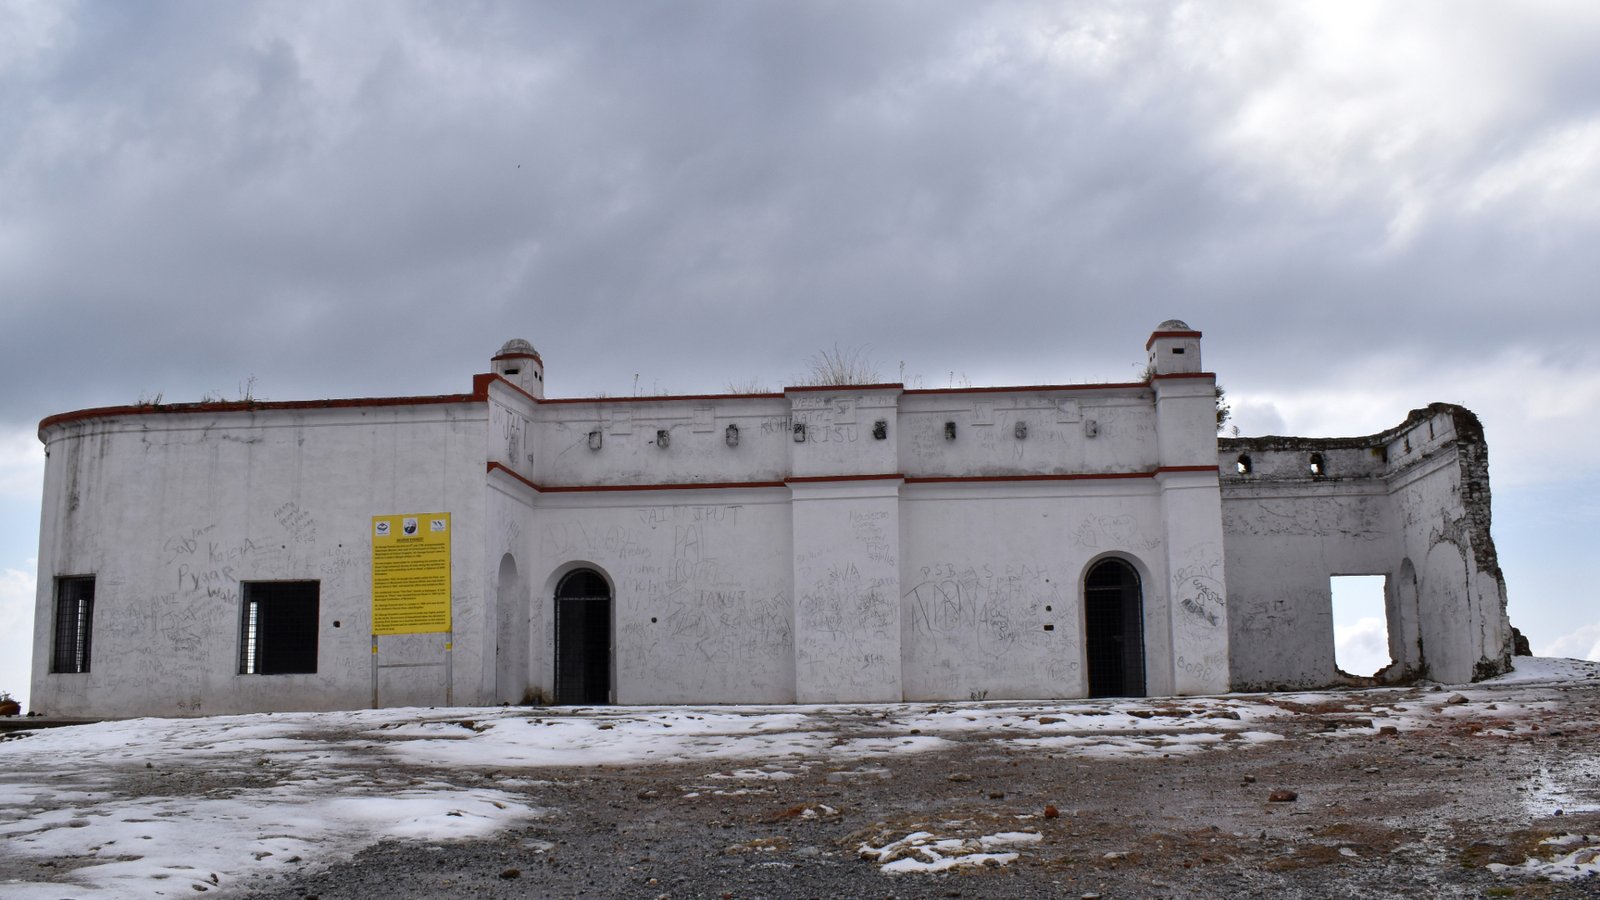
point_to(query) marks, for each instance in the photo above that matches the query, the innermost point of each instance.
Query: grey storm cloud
(1366, 206)
(369, 198)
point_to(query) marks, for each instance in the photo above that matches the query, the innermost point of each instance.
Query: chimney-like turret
(518, 363)
(1174, 349)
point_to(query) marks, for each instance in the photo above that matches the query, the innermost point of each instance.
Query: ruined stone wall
(1410, 503)
(1445, 520)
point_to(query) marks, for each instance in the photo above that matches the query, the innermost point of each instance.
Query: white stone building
(860, 543)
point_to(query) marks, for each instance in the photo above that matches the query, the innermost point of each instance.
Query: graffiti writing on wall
(850, 621)
(296, 522)
(1119, 532)
(1203, 669)
(1196, 587)
(685, 625)
(1360, 518)
(565, 540)
(999, 606)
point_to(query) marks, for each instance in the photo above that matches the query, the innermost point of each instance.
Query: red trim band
(253, 406)
(656, 398)
(819, 479)
(532, 356)
(1169, 334)
(1083, 476)
(978, 479)
(502, 467)
(825, 479)
(844, 388)
(687, 486)
(480, 385)
(1032, 387)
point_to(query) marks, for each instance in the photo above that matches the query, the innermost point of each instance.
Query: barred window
(278, 627)
(74, 623)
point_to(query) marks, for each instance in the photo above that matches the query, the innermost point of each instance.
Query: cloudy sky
(1366, 207)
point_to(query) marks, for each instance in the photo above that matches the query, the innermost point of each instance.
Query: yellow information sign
(411, 574)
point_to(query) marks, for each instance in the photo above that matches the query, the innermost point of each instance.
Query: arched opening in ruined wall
(583, 639)
(1404, 639)
(511, 634)
(1445, 615)
(1113, 614)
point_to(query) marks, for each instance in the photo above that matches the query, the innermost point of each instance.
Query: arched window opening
(1113, 611)
(583, 639)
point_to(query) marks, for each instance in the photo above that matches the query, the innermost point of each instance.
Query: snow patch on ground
(1204, 714)
(1582, 861)
(1561, 791)
(1110, 746)
(923, 852)
(135, 847)
(765, 774)
(144, 806)
(503, 739)
(1542, 669)
(258, 792)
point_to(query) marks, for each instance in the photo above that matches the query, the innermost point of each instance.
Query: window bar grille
(74, 618)
(247, 640)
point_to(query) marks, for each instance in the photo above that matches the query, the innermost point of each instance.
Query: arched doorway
(1113, 614)
(511, 634)
(583, 639)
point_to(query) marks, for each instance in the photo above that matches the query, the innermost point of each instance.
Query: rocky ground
(1454, 792)
(1421, 812)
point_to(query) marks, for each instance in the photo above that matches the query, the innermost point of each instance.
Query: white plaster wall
(991, 600)
(839, 436)
(703, 586)
(1069, 431)
(1198, 610)
(512, 437)
(696, 451)
(846, 589)
(510, 440)
(1076, 431)
(1283, 543)
(171, 511)
(1186, 416)
(509, 631)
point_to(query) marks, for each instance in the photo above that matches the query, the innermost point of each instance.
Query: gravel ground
(1420, 812)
